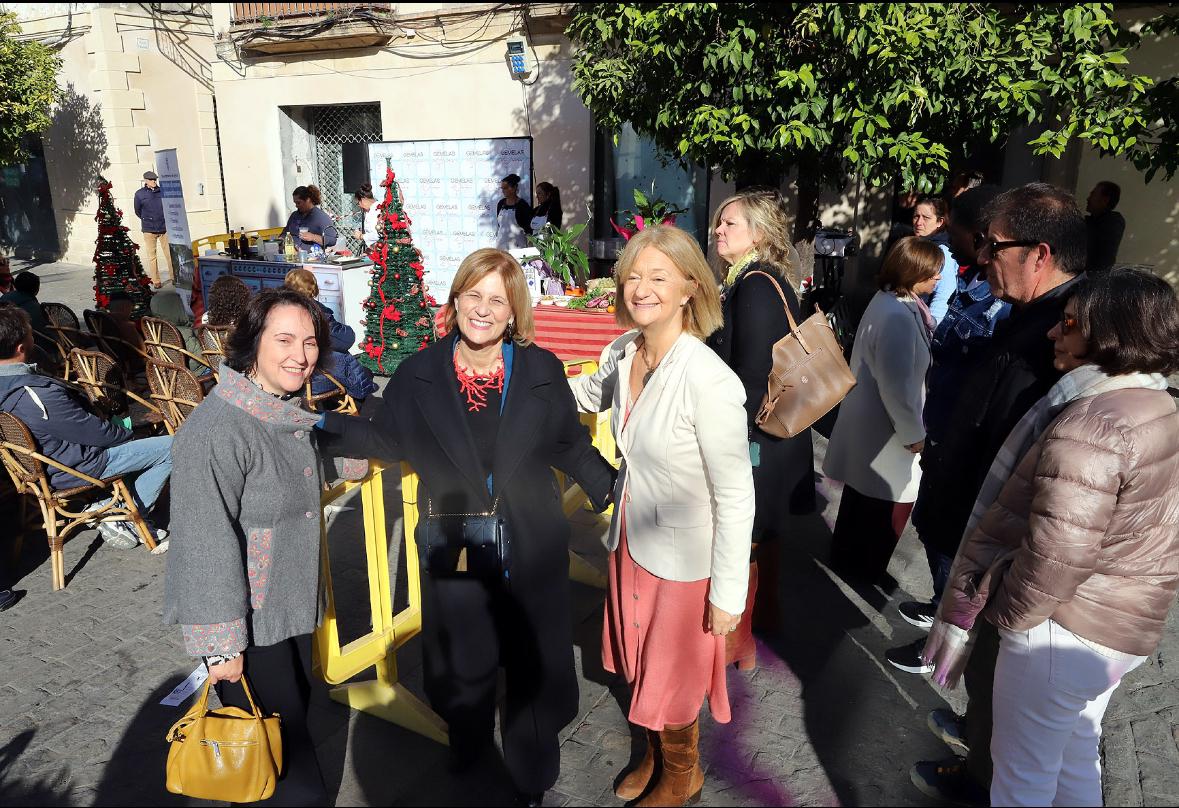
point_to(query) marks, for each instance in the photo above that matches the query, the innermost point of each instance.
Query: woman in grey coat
(879, 432)
(243, 577)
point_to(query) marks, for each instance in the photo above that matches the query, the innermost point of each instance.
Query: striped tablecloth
(574, 334)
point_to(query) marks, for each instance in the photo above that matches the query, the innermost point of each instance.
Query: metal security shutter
(331, 127)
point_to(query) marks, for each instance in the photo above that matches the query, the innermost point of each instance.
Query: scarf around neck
(739, 266)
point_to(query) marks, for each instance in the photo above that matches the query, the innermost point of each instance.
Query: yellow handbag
(226, 755)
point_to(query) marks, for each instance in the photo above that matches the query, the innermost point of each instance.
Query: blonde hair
(477, 266)
(702, 313)
(302, 281)
(765, 210)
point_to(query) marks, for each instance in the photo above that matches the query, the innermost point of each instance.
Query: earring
(510, 331)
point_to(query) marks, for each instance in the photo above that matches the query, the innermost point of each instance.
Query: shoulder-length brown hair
(477, 266)
(1130, 319)
(241, 351)
(702, 314)
(910, 261)
(765, 210)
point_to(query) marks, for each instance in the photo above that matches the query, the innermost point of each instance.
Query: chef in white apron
(513, 216)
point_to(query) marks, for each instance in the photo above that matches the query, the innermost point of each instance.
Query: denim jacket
(959, 340)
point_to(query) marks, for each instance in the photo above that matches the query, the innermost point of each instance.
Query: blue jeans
(939, 569)
(146, 464)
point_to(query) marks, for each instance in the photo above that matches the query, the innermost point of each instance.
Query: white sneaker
(118, 535)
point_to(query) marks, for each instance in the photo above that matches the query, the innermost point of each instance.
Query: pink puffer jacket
(1086, 531)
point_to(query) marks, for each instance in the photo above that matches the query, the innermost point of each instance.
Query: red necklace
(475, 386)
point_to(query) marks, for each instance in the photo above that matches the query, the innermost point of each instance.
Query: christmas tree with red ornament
(116, 260)
(397, 321)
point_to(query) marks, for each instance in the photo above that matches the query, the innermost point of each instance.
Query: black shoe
(530, 800)
(950, 728)
(918, 614)
(908, 657)
(948, 781)
(8, 599)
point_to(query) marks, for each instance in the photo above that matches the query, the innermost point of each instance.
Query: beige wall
(133, 83)
(426, 91)
(1151, 210)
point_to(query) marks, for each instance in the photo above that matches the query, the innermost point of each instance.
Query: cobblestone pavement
(823, 720)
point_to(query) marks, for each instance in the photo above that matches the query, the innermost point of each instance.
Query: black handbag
(474, 545)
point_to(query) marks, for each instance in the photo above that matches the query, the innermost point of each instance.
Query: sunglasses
(981, 243)
(1068, 323)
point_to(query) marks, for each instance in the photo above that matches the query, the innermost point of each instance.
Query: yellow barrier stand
(598, 424)
(383, 697)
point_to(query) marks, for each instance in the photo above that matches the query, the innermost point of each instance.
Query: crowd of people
(1011, 400)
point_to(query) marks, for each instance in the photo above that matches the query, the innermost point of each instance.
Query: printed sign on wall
(176, 218)
(450, 189)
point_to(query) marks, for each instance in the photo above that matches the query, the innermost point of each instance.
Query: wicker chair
(176, 390)
(101, 378)
(165, 343)
(65, 330)
(64, 510)
(213, 339)
(335, 400)
(106, 332)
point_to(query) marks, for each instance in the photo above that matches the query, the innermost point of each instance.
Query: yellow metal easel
(383, 697)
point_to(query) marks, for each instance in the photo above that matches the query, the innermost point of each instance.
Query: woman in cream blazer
(680, 538)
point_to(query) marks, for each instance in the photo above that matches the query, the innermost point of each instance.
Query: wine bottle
(231, 245)
(244, 244)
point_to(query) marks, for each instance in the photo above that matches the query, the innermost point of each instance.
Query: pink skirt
(654, 635)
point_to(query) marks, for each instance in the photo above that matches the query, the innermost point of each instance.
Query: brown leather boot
(682, 778)
(637, 779)
(740, 649)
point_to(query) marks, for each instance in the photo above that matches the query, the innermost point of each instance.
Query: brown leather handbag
(809, 377)
(225, 755)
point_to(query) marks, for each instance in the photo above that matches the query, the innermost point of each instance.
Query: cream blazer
(686, 481)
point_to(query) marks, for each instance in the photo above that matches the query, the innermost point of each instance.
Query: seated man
(66, 430)
(25, 287)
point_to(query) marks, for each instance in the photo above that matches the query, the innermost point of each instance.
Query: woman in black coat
(483, 416)
(751, 236)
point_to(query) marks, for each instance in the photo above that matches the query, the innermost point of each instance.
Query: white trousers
(1051, 691)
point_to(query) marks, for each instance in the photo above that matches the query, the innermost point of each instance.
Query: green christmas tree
(398, 320)
(116, 260)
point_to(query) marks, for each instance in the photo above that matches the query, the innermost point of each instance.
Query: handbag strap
(786, 306)
(250, 697)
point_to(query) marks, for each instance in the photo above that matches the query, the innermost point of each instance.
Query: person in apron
(548, 207)
(513, 216)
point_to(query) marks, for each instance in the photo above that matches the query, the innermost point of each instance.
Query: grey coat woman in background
(879, 432)
(243, 575)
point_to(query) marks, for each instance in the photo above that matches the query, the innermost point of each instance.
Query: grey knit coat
(243, 567)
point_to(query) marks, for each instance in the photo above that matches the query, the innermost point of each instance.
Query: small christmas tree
(116, 262)
(398, 321)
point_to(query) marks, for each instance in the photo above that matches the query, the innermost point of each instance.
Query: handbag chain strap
(790, 317)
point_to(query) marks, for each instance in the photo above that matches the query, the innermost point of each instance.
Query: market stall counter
(343, 286)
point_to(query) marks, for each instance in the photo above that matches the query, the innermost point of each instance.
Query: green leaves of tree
(28, 88)
(882, 90)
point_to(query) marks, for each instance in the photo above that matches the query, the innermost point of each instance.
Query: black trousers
(866, 534)
(472, 628)
(979, 678)
(280, 679)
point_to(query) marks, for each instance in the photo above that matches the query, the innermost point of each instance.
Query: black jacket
(784, 479)
(149, 207)
(422, 421)
(61, 423)
(1015, 374)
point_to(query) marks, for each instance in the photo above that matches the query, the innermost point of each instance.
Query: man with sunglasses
(1034, 250)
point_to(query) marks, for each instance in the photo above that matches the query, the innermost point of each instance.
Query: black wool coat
(784, 480)
(423, 421)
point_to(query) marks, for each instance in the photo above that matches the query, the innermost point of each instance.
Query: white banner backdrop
(176, 218)
(450, 189)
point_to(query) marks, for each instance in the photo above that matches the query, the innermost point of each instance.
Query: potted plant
(647, 209)
(561, 255)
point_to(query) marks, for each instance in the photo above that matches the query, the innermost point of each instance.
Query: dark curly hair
(241, 351)
(228, 298)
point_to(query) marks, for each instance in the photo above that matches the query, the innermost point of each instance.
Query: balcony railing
(272, 28)
(247, 13)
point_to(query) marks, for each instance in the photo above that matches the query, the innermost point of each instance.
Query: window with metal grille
(341, 170)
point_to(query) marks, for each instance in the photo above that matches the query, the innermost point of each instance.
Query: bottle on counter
(231, 246)
(243, 244)
(288, 248)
